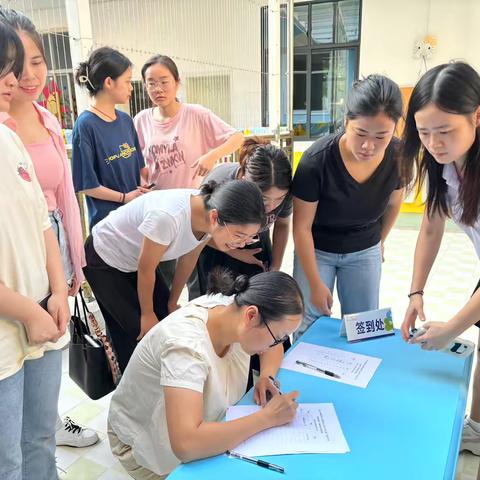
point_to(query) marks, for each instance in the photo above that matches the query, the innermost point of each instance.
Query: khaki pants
(125, 457)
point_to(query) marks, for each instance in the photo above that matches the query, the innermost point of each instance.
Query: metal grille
(215, 43)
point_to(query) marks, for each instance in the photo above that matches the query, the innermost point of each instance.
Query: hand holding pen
(265, 389)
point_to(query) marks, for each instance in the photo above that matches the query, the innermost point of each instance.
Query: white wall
(390, 29)
(204, 38)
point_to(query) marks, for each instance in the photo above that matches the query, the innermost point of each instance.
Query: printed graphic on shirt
(271, 218)
(22, 171)
(125, 151)
(165, 158)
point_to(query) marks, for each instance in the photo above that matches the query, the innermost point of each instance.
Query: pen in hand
(318, 369)
(268, 394)
(275, 383)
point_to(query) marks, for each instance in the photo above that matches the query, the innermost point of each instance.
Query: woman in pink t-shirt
(180, 141)
(41, 135)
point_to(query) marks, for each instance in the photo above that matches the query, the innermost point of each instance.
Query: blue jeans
(59, 230)
(358, 281)
(28, 409)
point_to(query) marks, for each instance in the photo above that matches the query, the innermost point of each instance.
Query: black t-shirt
(229, 171)
(349, 214)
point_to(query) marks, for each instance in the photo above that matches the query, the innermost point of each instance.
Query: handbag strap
(85, 311)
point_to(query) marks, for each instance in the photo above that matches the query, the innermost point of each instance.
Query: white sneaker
(73, 435)
(470, 438)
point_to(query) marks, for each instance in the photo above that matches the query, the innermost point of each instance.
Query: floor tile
(450, 284)
(101, 454)
(84, 469)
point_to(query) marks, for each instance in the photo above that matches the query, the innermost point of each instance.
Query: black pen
(275, 383)
(318, 369)
(260, 463)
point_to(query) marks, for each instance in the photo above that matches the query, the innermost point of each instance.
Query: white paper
(315, 429)
(353, 368)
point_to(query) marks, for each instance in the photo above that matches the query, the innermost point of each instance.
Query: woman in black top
(347, 195)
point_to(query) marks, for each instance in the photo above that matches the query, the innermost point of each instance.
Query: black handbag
(89, 366)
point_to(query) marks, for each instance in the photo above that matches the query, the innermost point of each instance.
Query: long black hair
(453, 88)
(265, 164)
(275, 294)
(11, 48)
(102, 63)
(236, 201)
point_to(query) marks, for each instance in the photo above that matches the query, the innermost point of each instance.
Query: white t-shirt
(453, 186)
(23, 221)
(163, 216)
(177, 352)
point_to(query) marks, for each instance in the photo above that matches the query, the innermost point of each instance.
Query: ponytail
(104, 62)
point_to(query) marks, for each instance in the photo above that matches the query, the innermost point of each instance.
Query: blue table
(406, 425)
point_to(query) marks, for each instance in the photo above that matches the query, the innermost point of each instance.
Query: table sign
(366, 325)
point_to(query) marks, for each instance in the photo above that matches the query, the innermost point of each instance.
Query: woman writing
(193, 365)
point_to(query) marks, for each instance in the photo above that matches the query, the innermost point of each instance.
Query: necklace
(103, 113)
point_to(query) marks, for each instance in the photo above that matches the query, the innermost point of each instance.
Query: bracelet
(123, 198)
(417, 292)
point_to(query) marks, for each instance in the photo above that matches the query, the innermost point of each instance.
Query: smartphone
(459, 347)
(151, 186)
(43, 303)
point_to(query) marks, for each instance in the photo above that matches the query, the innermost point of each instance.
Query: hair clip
(85, 79)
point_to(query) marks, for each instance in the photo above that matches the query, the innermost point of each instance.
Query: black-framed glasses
(276, 341)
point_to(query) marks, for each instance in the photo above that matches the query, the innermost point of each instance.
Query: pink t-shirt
(49, 169)
(171, 148)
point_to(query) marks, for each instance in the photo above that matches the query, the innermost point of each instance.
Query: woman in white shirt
(33, 300)
(442, 138)
(126, 247)
(193, 365)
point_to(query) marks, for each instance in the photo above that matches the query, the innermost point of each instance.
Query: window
(326, 46)
(139, 99)
(58, 96)
(57, 50)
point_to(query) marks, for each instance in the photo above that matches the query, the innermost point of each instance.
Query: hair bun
(241, 283)
(209, 187)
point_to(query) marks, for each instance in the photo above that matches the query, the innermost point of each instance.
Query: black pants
(117, 297)
(211, 258)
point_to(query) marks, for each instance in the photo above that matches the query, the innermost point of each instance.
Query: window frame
(310, 49)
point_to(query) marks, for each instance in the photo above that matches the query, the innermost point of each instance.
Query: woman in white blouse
(194, 364)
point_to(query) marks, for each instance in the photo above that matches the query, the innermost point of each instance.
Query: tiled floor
(452, 279)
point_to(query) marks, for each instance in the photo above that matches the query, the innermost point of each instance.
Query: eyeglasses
(162, 84)
(276, 341)
(249, 240)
